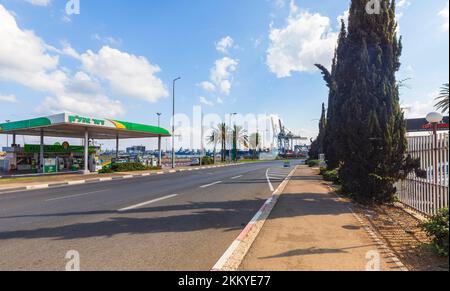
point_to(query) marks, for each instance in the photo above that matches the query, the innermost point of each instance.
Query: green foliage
(130, 167)
(207, 161)
(106, 170)
(313, 163)
(331, 176)
(317, 146)
(438, 229)
(365, 131)
(443, 99)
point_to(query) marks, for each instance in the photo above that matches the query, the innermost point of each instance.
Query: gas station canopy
(74, 126)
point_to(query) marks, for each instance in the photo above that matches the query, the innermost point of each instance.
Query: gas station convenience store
(64, 157)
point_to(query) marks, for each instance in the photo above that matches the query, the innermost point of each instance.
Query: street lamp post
(434, 119)
(173, 123)
(159, 141)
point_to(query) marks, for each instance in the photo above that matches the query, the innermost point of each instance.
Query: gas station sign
(422, 125)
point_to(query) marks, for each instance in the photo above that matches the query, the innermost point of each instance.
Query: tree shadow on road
(188, 217)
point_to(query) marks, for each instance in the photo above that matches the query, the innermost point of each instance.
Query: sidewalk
(310, 229)
(28, 183)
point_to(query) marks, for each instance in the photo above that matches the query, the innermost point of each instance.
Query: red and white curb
(235, 254)
(106, 179)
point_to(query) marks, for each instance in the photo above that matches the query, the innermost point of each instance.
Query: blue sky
(117, 58)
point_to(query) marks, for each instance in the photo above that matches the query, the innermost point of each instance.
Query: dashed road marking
(74, 196)
(147, 203)
(212, 184)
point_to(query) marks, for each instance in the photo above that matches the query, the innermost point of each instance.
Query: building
(62, 157)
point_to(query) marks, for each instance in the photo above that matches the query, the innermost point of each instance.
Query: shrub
(106, 170)
(207, 161)
(331, 176)
(129, 167)
(313, 163)
(438, 230)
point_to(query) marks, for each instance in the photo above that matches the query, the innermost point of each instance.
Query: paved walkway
(311, 229)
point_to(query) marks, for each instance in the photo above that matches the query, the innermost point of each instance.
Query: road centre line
(147, 203)
(212, 184)
(74, 196)
(237, 177)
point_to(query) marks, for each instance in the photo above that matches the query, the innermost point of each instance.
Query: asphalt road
(180, 221)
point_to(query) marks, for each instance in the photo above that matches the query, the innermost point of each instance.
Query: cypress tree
(331, 140)
(317, 145)
(372, 127)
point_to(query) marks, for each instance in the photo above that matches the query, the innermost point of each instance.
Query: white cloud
(444, 13)
(307, 39)
(8, 98)
(39, 2)
(420, 108)
(205, 101)
(28, 60)
(128, 75)
(25, 59)
(344, 17)
(221, 74)
(207, 86)
(109, 40)
(225, 44)
(403, 3)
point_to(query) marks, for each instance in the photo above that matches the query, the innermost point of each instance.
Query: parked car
(195, 162)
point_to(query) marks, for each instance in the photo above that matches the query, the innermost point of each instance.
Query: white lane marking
(237, 177)
(147, 203)
(268, 181)
(74, 196)
(212, 184)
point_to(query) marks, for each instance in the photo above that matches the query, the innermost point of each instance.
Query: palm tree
(219, 134)
(443, 99)
(254, 142)
(240, 137)
(213, 139)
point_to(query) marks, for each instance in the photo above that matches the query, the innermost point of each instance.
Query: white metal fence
(430, 194)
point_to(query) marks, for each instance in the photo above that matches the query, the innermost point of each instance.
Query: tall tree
(331, 140)
(254, 143)
(372, 122)
(317, 145)
(240, 137)
(220, 135)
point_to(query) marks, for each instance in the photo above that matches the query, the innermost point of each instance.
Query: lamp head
(434, 117)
